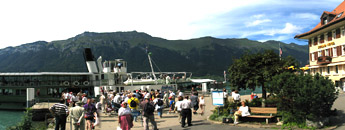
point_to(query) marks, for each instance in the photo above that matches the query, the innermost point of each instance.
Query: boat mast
(153, 73)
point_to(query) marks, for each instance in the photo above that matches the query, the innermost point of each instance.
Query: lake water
(9, 118)
(247, 91)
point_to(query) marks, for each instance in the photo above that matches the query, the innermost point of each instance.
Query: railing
(323, 60)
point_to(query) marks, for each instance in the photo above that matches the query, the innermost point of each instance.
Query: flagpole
(280, 56)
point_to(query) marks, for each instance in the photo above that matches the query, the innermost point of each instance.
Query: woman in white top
(242, 111)
(202, 104)
(125, 117)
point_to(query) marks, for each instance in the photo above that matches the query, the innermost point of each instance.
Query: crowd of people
(84, 111)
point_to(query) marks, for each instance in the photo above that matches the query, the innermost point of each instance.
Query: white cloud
(306, 16)
(257, 22)
(288, 29)
(35, 20)
(258, 16)
(279, 38)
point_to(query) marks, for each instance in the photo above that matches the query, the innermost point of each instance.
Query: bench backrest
(264, 110)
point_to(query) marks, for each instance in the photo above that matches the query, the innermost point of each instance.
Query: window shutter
(337, 33)
(338, 50)
(331, 51)
(323, 53)
(322, 39)
(315, 41)
(329, 36)
(309, 42)
(310, 57)
(315, 55)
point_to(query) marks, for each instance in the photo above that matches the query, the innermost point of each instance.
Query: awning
(334, 64)
(202, 80)
(312, 67)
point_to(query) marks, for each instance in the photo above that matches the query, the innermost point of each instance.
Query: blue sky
(279, 21)
(25, 21)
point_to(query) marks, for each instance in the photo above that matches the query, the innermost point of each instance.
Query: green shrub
(271, 102)
(303, 97)
(256, 102)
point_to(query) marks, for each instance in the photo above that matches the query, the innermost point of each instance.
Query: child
(172, 104)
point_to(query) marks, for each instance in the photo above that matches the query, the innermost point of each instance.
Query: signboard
(167, 88)
(217, 98)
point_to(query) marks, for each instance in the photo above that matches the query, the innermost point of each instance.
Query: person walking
(159, 105)
(125, 117)
(103, 102)
(186, 112)
(77, 115)
(60, 112)
(178, 108)
(148, 109)
(202, 104)
(133, 103)
(89, 110)
(166, 99)
(236, 97)
(195, 102)
(180, 93)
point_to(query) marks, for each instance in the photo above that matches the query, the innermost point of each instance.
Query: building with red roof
(327, 45)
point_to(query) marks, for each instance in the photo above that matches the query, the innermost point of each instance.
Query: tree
(303, 96)
(252, 70)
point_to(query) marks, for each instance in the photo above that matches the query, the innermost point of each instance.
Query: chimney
(90, 61)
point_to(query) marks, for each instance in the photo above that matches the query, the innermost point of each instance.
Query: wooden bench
(261, 110)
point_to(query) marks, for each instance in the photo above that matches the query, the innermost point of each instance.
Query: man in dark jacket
(147, 113)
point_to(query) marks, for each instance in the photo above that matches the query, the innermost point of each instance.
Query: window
(336, 69)
(312, 40)
(318, 39)
(10, 92)
(339, 15)
(17, 92)
(333, 34)
(328, 70)
(342, 31)
(320, 70)
(325, 20)
(334, 51)
(326, 38)
(312, 56)
(319, 54)
(23, 92)
(327, 52)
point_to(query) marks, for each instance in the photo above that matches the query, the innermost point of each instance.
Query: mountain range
(202, 56)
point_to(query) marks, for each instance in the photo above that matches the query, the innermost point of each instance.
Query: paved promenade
(170, 121)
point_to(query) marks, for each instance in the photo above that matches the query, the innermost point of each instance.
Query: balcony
(323, 60)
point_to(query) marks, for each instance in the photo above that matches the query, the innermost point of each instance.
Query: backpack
(133, 103)
(148, 109)
(160, 102)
